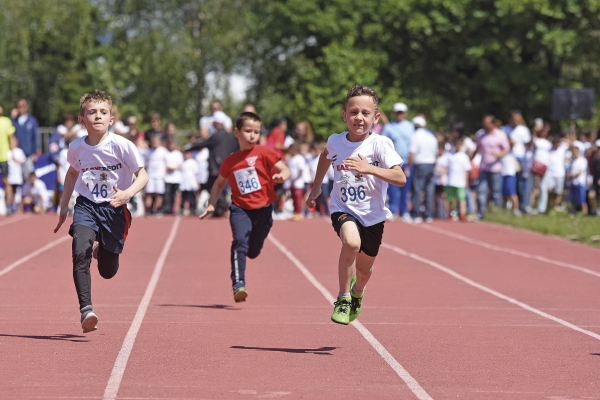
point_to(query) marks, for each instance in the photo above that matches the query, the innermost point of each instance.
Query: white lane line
(490, 291)
(33, 254)
(399, 369)
(116, 376)
(15, 219)
(511, 251)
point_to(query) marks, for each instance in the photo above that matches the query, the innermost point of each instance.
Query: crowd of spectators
(454, 174)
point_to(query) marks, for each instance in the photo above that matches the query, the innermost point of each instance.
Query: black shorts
(370, 236)
(110, 223)
(4, 169)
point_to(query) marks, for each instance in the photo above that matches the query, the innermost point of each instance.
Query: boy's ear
(344, 114)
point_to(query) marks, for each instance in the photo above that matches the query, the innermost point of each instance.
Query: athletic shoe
(341, 311)
(95, 250)
(417, 220)
(407, 219)
(89, 320)
(239, 294)
(429, 220)
(355, 301)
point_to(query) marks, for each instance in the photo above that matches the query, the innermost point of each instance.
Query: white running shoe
(406, 219)
(417, 220)
(89, 319)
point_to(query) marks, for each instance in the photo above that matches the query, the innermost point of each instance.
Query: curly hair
(361, 90)
(97, 97)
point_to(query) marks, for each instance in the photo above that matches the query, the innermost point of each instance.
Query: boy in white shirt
(103, 165)
(173, 163)
(35, 195)
(459, 167)
(189, 183)
(156, 165)
(578, 177)
(364, 164)
(440, 178)
(16, 159)
(297, 166)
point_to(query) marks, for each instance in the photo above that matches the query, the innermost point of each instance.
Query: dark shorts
(110, 223)
(370, 236)
(4, 169)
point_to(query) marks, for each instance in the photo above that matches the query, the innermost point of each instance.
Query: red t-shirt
(249, 175)
(276, 137)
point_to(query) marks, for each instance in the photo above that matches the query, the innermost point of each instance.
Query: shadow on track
(324, 351)
(213, 306)
(594, 354)
(63, 336)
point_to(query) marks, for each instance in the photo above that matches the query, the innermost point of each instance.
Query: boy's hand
(359, 164)
(278, 178)
(310, 201)
(209, 210)
(62, 217)
(119, 198)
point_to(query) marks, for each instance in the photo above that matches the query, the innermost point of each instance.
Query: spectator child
(189, 183)
(35, 195)
(459, 167)
(556, 171)
(173, 164)
(297, 166)
(364, 164)
(307, 176)
(509, 182)
(440, 178)
(16, 159)
(578, 177)
(322, 202)
(103, 165)
(249, 173)
(156, 164)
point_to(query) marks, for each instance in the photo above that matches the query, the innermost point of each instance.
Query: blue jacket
(28, 135)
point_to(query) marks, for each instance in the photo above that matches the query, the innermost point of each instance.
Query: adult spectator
(423, 151)
(155, 128)
(493, 144)
(28, 136)
(519, 136)
(220, 146)
(207, 127)
(7, 140)
(303, 132)
(400, 131)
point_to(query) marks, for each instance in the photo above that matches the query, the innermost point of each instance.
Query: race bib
(96, 182)
(247, 180)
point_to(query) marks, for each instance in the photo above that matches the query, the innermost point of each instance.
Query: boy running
(364, 163)
(102, 166)
(248, 172)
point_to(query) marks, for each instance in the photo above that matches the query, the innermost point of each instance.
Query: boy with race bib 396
(102, 167)
(364, 164)
(249, 173)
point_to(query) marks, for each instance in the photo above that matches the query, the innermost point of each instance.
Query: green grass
(582, 229)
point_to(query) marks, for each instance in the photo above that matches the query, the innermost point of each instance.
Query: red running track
(425, 305)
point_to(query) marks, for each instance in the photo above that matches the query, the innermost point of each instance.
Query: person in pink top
(492, 145)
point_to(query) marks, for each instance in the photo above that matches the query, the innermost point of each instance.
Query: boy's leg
(241, 228)
(262, 221)
(350, 237)
(83, 240)
(108, 263)
(364, 269)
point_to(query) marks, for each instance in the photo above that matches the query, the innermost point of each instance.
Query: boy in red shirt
(248, 172)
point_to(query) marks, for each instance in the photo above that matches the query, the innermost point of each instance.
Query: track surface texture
(471, 311)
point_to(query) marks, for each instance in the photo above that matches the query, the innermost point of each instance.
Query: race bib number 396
(247, 180)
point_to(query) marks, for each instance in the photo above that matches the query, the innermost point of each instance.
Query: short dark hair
(361, 90)
(246, 116)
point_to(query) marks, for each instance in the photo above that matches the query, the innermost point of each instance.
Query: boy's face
(249, 134)
(360, 115)
(96, 117)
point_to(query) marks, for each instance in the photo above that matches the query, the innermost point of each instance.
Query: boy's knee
(351, 244)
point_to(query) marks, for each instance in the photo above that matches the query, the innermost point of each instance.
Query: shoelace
(343, 305)
(355, 304)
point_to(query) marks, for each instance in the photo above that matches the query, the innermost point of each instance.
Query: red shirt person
(248, 172)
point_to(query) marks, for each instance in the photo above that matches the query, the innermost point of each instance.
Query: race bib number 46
(247, 180)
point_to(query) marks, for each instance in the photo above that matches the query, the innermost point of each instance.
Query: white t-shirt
(508, 165)
(556, 165)
(425, 146)
(173, 159)
(579, 165)
(111, 163)
(37, 192)
(307, 173)
(363, 196)
(63, 165)
(458, 166)
(542, 150)
(520, 135)
(297, 166)
(202, 160)
(16, 159)
(189, 175)
(440, 171)
(156, 163)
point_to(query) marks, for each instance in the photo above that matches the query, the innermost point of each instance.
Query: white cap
(220, 117)
(400, 107)
(419, 121)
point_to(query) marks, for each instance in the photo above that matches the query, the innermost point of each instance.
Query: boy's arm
(283, 172)
(122, 196)
(393, 175)
(215, 193)
(322, 168)
(68, 187)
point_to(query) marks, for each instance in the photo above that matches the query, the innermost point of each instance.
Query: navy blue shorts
(509, 185)
(110, 223)
(577, 194)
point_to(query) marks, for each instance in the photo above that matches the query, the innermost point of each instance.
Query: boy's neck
(247, 148)
(357, 138)
(94, 139)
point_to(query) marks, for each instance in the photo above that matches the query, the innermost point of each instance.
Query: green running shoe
(355, 302)
(341, 311)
